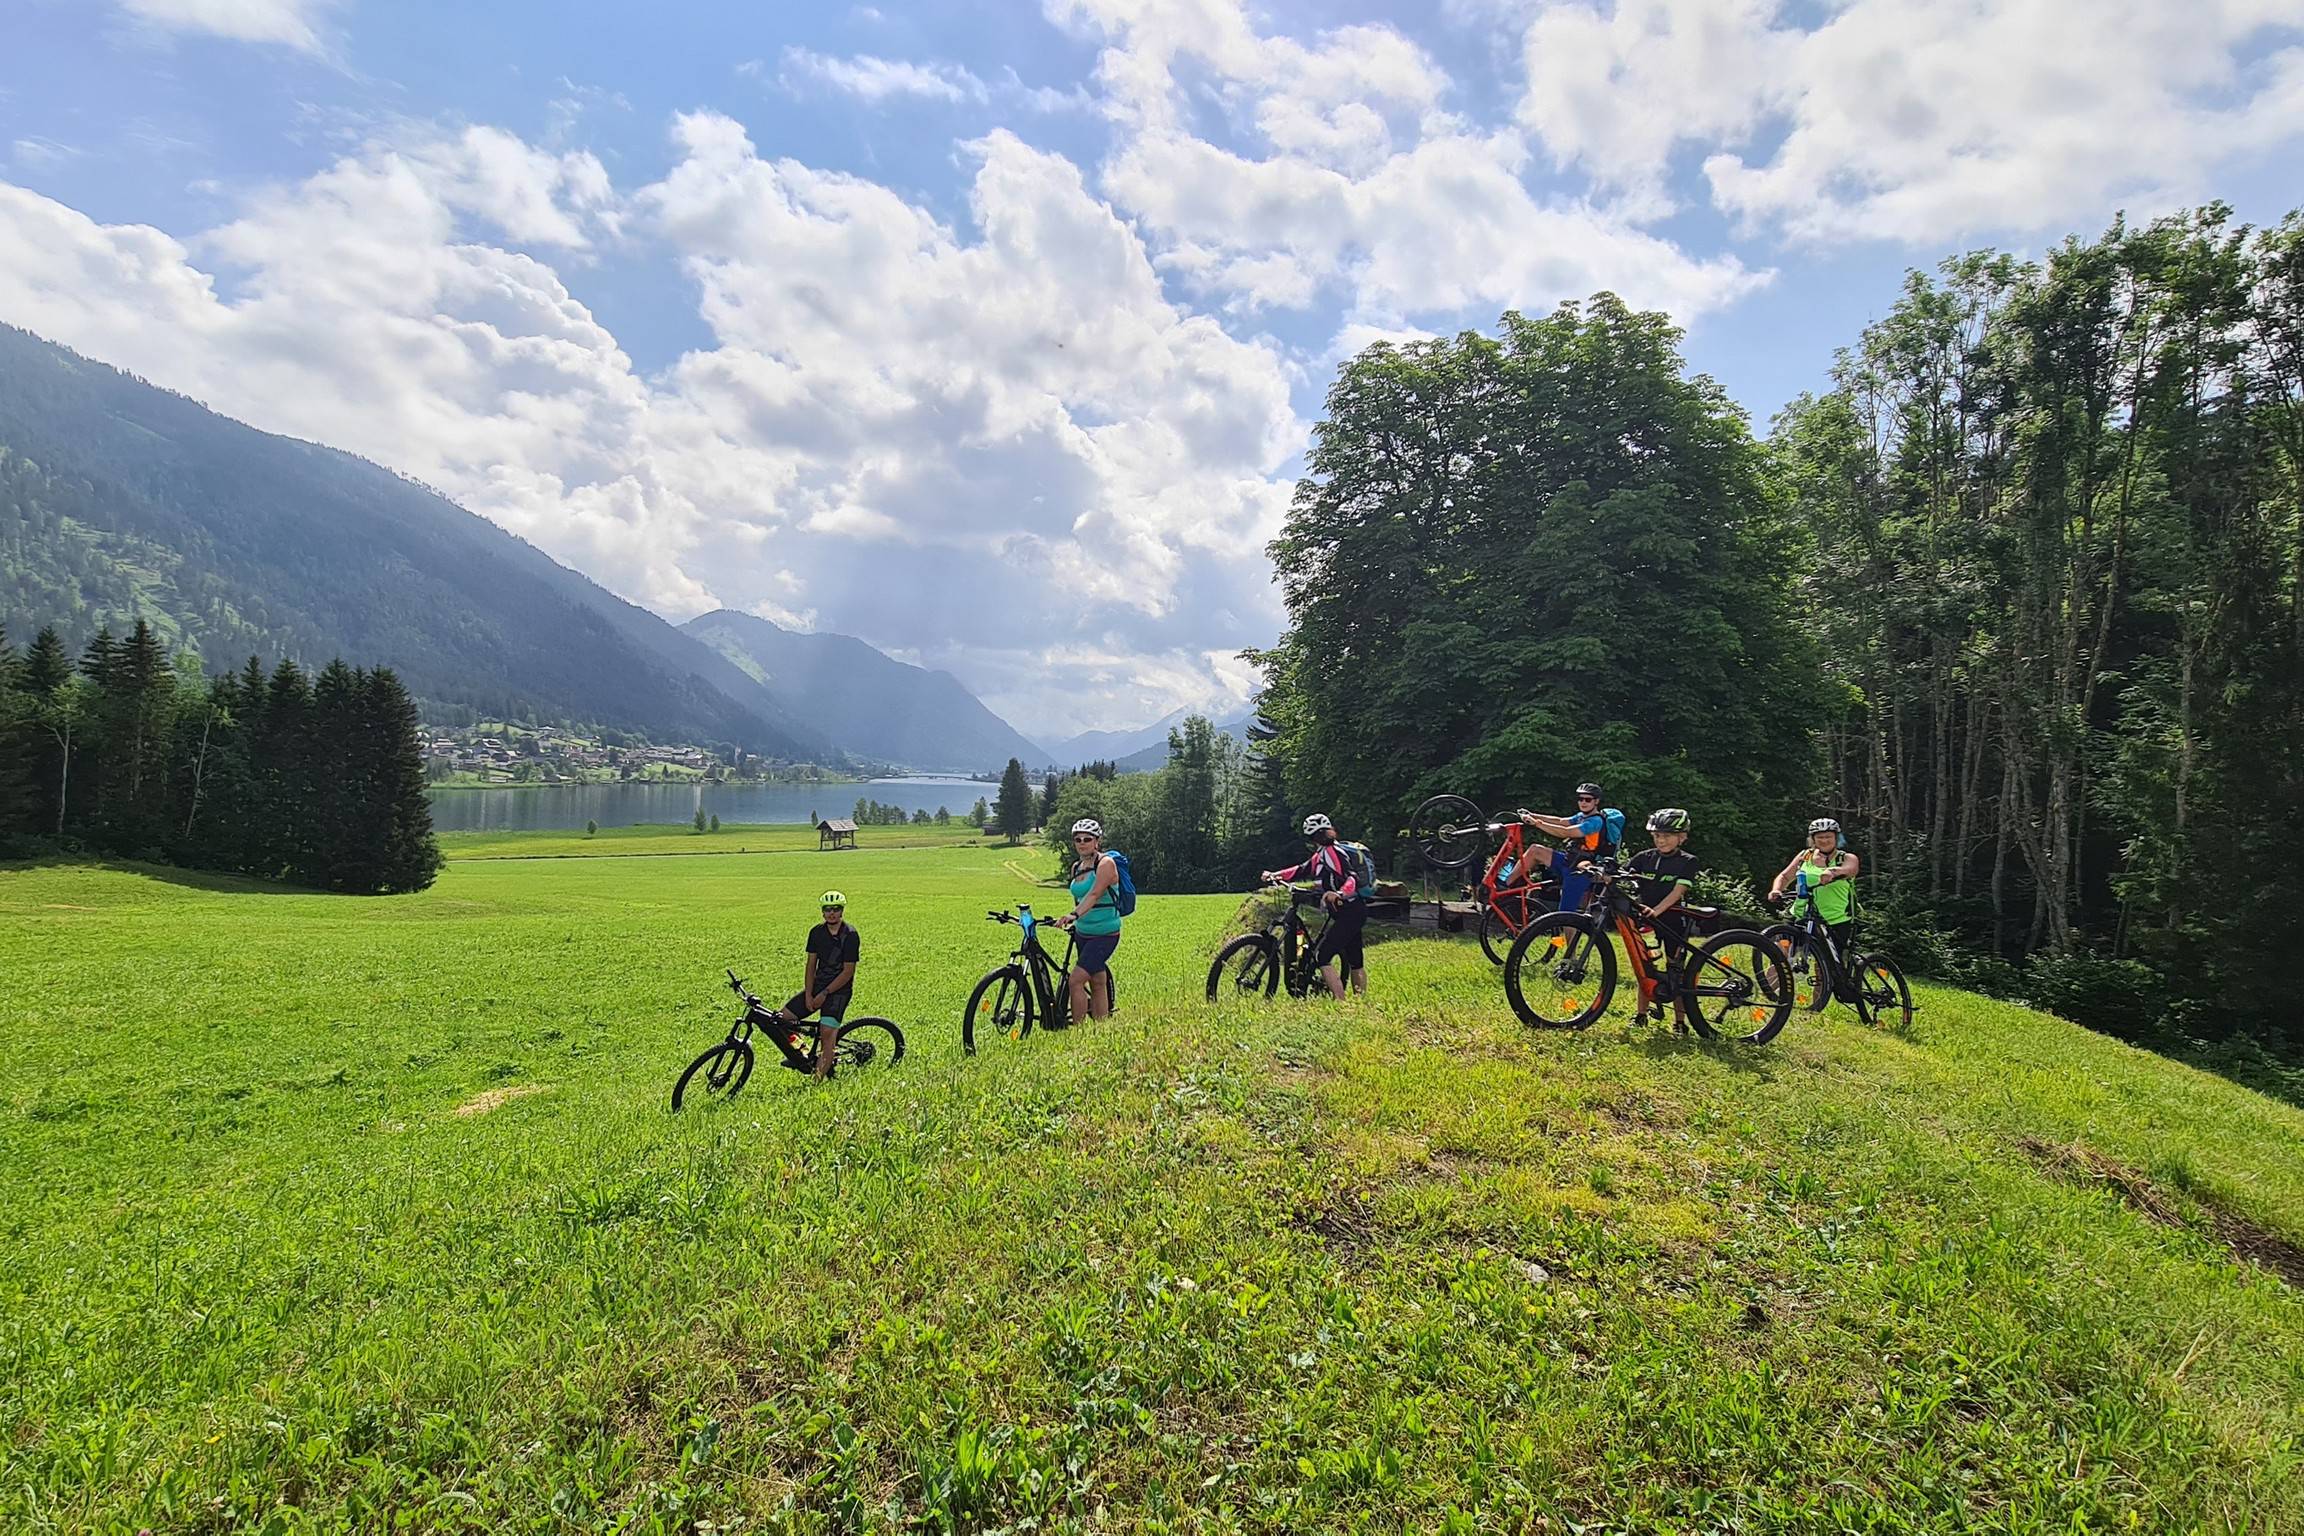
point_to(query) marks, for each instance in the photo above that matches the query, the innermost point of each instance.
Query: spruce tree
(1015, 803)
(411, 859)
(344, 836)
(280, 841)
(19, 805)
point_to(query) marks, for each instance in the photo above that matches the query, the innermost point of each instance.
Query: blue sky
(991, 332)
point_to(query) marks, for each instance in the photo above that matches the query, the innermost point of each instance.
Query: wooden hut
(836, 832)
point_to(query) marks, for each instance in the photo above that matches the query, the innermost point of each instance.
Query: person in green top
(1094, 920)
(1831, 871)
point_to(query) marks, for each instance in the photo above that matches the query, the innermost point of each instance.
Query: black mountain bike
(1561, 972)
(721, 1072)
(1029, 991)
(1260, 964)
(1875, 984)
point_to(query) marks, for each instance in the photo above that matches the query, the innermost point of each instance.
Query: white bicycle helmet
(1316, 823)
(1823, 824)
(1091, 826)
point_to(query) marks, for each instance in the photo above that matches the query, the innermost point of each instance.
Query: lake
(543, 807)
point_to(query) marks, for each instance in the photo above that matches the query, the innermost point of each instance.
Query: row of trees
(1202, 823)
(2020, 599)
(2048, 518)
(317, 780)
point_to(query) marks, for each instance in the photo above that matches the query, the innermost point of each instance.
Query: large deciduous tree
(1526, 559)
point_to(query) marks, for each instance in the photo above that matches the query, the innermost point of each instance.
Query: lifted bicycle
(1259, 964)
(1513, 890)
(1031, 988)
(721, 1072)
(1561, 972)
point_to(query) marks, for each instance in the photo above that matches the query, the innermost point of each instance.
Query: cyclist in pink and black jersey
(1342, 947)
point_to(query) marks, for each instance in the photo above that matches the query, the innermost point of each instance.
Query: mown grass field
(1395, 1265)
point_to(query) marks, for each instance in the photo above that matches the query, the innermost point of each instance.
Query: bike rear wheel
(1808, 964)
(861, 1042)
(1449, 831)
(1883, 997)
(720, 1073)
(1559, 974)
(1249, 966)
(1000, 1008)
(1736, 986)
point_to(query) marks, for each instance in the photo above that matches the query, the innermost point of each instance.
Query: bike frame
(1611, 911)
(1299, 942)
(787, 1037)
(1049, 976)
(1513, 901)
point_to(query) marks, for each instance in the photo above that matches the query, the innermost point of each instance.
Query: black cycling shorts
(1343, 939)
(835, 1006)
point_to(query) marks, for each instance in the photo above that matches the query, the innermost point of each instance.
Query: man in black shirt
(827, 981)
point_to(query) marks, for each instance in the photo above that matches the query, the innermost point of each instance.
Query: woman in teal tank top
(1094, 921)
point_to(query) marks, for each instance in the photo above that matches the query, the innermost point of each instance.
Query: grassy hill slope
(287, 1237)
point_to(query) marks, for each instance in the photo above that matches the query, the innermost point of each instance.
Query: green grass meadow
(1399, 1264)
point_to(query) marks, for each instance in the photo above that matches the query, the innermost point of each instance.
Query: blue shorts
(1092, 952)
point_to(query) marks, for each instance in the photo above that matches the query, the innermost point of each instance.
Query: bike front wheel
(1806, 962)
(999, 1009)
(1737, 986)
(1883, 997)
(720, 1073)
(1249, 966)
(1559, 973)
(861, 1042)
(1449, 831)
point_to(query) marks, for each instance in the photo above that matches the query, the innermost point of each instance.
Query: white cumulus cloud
(1913, 120)
(1000, 449)
(1350, 176)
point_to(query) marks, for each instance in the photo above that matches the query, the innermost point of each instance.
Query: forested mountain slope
(119, 500)
(868, 702)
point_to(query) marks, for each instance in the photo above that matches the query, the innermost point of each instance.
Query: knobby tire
(1883, 996)
(1736, 986)
(726, 1068)
(1808, 964)
(1001, 1008)
(1559, 974)
(1251, 966)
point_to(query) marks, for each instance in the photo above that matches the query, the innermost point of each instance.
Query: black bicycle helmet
(1587, 788)
(1670, 819)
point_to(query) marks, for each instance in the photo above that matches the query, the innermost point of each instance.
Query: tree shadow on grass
(165, 874)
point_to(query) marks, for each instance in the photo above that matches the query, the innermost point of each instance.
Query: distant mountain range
(870, 703)
(120, 501)
(1143, 750)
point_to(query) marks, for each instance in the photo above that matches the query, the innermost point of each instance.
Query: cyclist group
(1662, 874)
(1343, 876)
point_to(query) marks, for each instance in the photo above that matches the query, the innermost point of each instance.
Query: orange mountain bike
(1561, 971)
